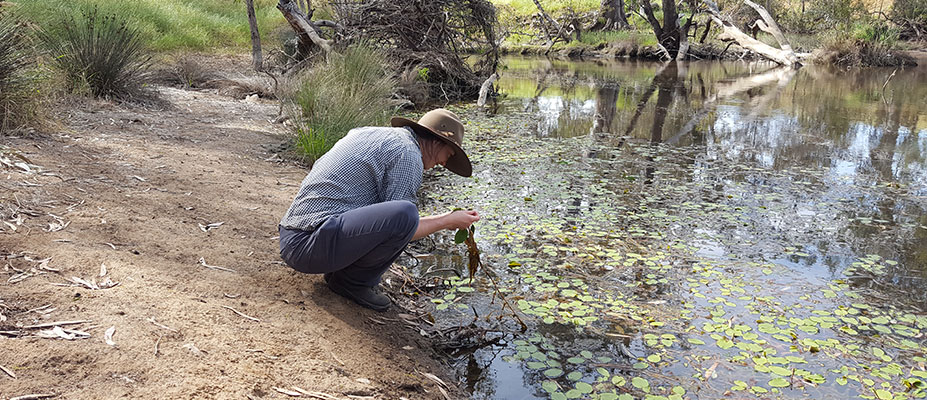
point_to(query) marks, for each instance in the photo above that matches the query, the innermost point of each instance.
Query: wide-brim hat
(445, 126)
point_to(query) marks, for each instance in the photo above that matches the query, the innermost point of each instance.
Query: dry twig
(58, 323)
(203, 263)
(8, 372)
(241, 314)
(35, 396)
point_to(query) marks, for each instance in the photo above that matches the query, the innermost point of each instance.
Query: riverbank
(841, 55)
(156, 226)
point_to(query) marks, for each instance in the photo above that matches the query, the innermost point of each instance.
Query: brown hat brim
(459, 163)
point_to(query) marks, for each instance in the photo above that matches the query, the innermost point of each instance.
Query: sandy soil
(132, 186)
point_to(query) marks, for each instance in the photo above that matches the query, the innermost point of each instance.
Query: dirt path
(133, 186)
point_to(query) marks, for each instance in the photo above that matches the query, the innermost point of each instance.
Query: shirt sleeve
(402, 180)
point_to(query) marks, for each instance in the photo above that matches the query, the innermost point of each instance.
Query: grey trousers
(357, 247)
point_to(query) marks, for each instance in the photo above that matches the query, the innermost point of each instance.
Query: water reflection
(845, 120)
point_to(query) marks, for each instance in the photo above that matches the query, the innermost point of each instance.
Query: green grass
(349, 90)
(165, 25)
(527, 7)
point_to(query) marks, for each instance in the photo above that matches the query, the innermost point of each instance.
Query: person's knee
(407, 215)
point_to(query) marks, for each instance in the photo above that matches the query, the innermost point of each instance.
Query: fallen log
(781, 56)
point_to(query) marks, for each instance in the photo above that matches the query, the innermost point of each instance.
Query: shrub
(99, 53)
(872, 44)
(348, 90)
(15, 61)
(911, 16)
(189, 72)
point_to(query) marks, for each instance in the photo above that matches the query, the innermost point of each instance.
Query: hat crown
(445, 123)
(446, 127)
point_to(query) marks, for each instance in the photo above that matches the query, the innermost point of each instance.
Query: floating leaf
(553, 372)
(583, 387)
(640, 383)
(779, 383)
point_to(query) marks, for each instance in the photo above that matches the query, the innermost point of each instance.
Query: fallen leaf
(108, 336)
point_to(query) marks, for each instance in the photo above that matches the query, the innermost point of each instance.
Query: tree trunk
(257, 60)
(670, 36)
(612, 11)
(301, 24)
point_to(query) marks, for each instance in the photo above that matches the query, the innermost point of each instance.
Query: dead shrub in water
(349, 90)
(100, 54)
(16, 93)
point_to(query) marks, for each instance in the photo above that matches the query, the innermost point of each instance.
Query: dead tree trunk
(302, 25)
(783, 55)
(257, 60)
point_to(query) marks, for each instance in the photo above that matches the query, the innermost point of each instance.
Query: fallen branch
(241, 314)
(8, 372)
(159, 325)
(203, 263)
(157, 345)
(770, 26)
(58, 323)
(288, 392)
(783, 56)
(441, 385)
(34, 396)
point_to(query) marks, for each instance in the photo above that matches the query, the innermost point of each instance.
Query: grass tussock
(346, 91)
(188, 72)
(16, 83)
(100, 54)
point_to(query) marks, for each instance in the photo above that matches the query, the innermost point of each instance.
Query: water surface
(699, 230)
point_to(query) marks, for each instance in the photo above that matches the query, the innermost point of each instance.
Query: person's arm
(452, 220)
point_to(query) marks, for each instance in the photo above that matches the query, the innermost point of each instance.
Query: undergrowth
(348, 90)
(873, 44)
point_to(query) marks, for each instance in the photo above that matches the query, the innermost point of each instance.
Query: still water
(700, 230)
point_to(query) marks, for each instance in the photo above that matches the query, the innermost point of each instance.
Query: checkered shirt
(369, 165)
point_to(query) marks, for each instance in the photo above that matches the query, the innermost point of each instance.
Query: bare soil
(132, 186)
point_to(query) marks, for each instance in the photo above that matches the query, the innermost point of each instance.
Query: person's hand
(461, 219)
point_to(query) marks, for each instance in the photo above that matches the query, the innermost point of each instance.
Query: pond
(700, 230)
